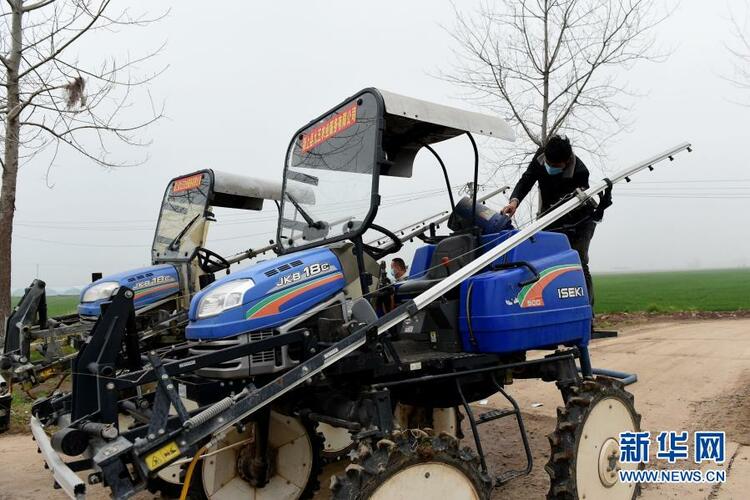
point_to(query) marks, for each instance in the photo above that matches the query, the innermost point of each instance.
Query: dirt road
(692, 376)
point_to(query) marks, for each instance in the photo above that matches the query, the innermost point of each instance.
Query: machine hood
(281, 289)
(149, 284)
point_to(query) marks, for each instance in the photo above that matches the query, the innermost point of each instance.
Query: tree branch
(94, 18)
(38, 5)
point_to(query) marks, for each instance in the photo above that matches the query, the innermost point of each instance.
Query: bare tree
(54, 99)
(740, 49)
(553, 66)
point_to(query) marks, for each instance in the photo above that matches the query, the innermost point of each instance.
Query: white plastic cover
(253, 187)
(447, 116)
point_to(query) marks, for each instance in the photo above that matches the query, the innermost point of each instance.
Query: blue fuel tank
(508, 309)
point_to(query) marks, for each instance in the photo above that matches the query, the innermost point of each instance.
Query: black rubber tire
(564, 441)
(374, 464)
(196, 491)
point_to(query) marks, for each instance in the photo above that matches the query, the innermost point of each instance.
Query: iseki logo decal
(570, 292)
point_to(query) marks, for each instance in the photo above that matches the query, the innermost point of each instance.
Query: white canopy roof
(447, 116)
(231, 186)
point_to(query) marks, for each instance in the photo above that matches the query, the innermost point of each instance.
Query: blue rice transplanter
(300, 344)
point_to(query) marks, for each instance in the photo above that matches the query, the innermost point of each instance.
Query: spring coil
(209, 413)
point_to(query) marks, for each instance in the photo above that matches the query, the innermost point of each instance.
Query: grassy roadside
(23, 401)
(57, 305)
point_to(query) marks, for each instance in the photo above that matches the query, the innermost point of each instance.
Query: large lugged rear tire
(584, 457)
(413, 464)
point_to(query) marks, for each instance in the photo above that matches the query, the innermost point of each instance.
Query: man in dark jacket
(559, 172)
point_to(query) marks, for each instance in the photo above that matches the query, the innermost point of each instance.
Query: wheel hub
(285, 472)
(597, 456)
(255, 470)
(608, 456)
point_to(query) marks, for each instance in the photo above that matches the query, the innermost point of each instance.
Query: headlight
(100, 291)
(224, 297)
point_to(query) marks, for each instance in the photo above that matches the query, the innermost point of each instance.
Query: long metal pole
(409, 227)
(486, 258)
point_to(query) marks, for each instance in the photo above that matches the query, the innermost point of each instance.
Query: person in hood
(559, 172)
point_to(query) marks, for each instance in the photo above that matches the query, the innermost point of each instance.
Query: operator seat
(450, 255)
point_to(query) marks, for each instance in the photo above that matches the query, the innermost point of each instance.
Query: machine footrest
(488, 416)
(604, 334)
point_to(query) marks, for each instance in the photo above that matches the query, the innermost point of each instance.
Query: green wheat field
(711, 290)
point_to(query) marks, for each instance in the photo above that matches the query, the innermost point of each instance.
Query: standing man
(559, 173)
(398, 269)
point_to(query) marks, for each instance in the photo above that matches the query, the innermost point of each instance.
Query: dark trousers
(580, 239)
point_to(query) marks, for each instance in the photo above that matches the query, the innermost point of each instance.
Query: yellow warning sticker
(163, 455)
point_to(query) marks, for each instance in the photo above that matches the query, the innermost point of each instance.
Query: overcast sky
(243, 77)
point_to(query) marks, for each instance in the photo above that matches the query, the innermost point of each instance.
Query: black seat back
(457, 250)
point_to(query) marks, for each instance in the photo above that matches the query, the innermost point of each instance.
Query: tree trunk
(10, 162)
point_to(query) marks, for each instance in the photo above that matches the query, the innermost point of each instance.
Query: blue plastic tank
(506, 309)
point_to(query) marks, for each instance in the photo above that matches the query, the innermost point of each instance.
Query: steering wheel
(378, 253)
(210, 262)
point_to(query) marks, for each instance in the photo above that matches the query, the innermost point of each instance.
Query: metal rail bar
(624, 377)
(250, 253)
(64, 476)
(416, 232)
(412, 226)
(489, 369)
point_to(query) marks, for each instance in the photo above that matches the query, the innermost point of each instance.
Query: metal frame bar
(64, 476)
(421, 230)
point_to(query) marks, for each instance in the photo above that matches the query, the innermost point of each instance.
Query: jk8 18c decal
(155, 284)
(532, 294)
(306, 272)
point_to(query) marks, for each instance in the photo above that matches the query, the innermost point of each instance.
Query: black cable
(476, 180)
(445, 173)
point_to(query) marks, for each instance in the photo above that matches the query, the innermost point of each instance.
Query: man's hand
(510, 208)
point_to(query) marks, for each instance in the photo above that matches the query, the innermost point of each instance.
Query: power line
(75, 244)
(392, 203)
(228, 219)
